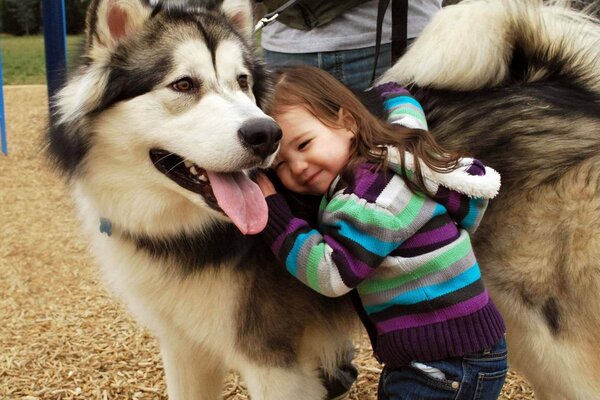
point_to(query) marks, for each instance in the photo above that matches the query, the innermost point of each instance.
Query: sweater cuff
(389, 88)
(280, 216)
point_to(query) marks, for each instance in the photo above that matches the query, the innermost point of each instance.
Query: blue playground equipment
(55, 43)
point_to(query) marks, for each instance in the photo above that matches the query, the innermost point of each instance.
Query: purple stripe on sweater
(453, 338)
(457, 310)
(454, 202)
(441, 234)
(293, 226)
(365, 179)
(356, 272)
(390, 88)
(369, 184)
(377, 187)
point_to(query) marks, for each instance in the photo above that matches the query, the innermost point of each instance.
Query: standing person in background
(344, 46)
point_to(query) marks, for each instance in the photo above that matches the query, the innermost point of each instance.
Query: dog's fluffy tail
(483, 43)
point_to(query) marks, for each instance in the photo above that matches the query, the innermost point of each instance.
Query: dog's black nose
(261, 135)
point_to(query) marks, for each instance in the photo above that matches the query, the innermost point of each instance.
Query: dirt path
(62, 336)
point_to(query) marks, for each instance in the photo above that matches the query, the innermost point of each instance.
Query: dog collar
(106, 226)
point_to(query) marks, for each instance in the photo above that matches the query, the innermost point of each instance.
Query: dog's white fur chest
(194, 305)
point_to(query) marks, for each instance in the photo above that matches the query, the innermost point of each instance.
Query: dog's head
(164, 107)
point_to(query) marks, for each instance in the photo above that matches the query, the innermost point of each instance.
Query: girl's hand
(265, 184)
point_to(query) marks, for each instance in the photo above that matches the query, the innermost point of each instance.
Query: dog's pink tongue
(241, 199)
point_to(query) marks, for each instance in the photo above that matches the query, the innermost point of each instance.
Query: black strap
(383, 5)
(399, 30)
(272, 16)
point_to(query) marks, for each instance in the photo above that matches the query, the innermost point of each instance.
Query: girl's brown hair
(323, 96)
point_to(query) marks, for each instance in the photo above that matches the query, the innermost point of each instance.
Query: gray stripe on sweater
(383, 234)
(440, 276)
(409, 264)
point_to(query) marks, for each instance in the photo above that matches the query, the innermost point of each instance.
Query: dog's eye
(243, 81)
(185, 85)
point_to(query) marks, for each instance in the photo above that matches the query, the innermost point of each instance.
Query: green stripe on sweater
(436, 264)
(317, 253)
(402, 111)
(375, 217)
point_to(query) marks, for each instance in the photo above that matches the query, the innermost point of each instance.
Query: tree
(24, 16)
(2, 16)
(75, 11)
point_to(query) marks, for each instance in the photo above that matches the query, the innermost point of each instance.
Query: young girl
(394, 223)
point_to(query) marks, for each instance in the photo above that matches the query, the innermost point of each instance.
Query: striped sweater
(420, 293)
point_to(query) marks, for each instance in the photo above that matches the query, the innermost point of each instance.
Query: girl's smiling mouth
(312, 178)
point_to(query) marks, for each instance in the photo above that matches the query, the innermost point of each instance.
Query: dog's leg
(273, 383)
(191, 372)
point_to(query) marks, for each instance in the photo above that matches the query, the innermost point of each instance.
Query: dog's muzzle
(261, 136)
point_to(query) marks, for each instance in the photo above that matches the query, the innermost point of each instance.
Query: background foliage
(24, 17)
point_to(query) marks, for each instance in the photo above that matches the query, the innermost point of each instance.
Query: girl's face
(311, 153)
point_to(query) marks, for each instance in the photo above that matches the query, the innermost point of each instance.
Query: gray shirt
(354, 29)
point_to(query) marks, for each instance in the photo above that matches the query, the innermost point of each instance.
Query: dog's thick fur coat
(515, 83)
(518, 86)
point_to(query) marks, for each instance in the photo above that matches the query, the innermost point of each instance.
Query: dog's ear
(111, 21)
(240, 14)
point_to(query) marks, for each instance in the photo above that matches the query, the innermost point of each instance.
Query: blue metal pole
(2, 118)
(55, 43)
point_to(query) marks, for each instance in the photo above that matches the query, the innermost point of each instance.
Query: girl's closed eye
(278, 163)
(303, 145)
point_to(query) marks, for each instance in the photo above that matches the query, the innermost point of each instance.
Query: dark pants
(352, 67)
(478, 376)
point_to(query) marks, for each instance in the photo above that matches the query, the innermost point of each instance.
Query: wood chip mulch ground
(61, 334)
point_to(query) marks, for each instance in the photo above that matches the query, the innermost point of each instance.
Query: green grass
(23, 58)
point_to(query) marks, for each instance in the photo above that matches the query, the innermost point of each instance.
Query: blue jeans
(352, 67)
(478, 376)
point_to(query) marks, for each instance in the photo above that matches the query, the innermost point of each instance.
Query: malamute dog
(157, 131)
(159, 128)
